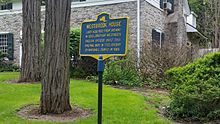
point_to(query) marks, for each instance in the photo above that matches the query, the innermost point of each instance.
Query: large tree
(55, 82)
(208, 21)
(31, 39)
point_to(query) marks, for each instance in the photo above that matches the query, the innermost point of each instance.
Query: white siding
(155, 3)
(17, 6)
(191, 19)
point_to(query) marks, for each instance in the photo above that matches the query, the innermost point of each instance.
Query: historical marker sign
(104, 37)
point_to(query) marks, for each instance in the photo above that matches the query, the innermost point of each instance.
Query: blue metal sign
(104, 37)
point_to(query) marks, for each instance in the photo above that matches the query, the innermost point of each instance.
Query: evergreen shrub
(80, 67)
(195, 93)
(121, 72)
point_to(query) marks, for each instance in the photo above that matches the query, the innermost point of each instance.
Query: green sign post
(101, 39)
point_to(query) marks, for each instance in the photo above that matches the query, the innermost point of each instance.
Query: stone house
(149, 21)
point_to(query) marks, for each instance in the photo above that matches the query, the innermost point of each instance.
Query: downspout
(138, 34)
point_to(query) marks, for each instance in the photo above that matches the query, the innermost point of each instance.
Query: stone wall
(151, 18)
(175, 28)
(12, 23)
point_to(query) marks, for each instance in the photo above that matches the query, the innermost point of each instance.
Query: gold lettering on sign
(115, 24)
(93, 26)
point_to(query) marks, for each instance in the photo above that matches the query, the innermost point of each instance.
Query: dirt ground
(32, 112)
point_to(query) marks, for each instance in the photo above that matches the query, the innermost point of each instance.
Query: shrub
(121, 72)
(80, 67)
(6, 65)
(156, 60)
(195, 90)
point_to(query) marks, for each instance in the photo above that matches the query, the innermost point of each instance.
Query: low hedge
(121, 72)
(195, 93)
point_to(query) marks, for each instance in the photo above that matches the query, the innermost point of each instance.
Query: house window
(6, 6)
(157, 38)
(6, 45)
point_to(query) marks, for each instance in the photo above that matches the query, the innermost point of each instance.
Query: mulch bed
(32, 112)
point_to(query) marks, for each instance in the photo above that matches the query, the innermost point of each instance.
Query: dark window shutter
(10, 46)
(2, 7)
(153, 34)
(161, 4)
(162, 39)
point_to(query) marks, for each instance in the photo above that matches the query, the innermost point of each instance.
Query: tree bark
(55, 82)
(216, 30)
(218, 25)
(31, 38)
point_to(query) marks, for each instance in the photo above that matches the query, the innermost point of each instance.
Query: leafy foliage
(121, 72)
(80, 67)
(6, 65)
(208, 12)
(196, 89)
(3, 1)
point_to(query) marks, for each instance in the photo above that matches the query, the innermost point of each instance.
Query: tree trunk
(201, 14)
(55, 82)
(31, 38)
(216, 30)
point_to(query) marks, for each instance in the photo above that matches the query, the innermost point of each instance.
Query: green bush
(121, 72)
(80, 67)
(195, 90)
(7, 66)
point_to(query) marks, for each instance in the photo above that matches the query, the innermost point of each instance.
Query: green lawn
(119, 106)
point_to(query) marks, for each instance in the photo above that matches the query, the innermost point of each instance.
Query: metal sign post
(100, 70)
(101, 39)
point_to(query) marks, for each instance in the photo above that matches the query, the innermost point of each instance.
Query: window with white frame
(157, 38)
(6, 44)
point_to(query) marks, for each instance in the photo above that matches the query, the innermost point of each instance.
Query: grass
(8, 76)
(119, 106)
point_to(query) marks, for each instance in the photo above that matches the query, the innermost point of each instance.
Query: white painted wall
(191, 23)
(17, 5)
(191, 19)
